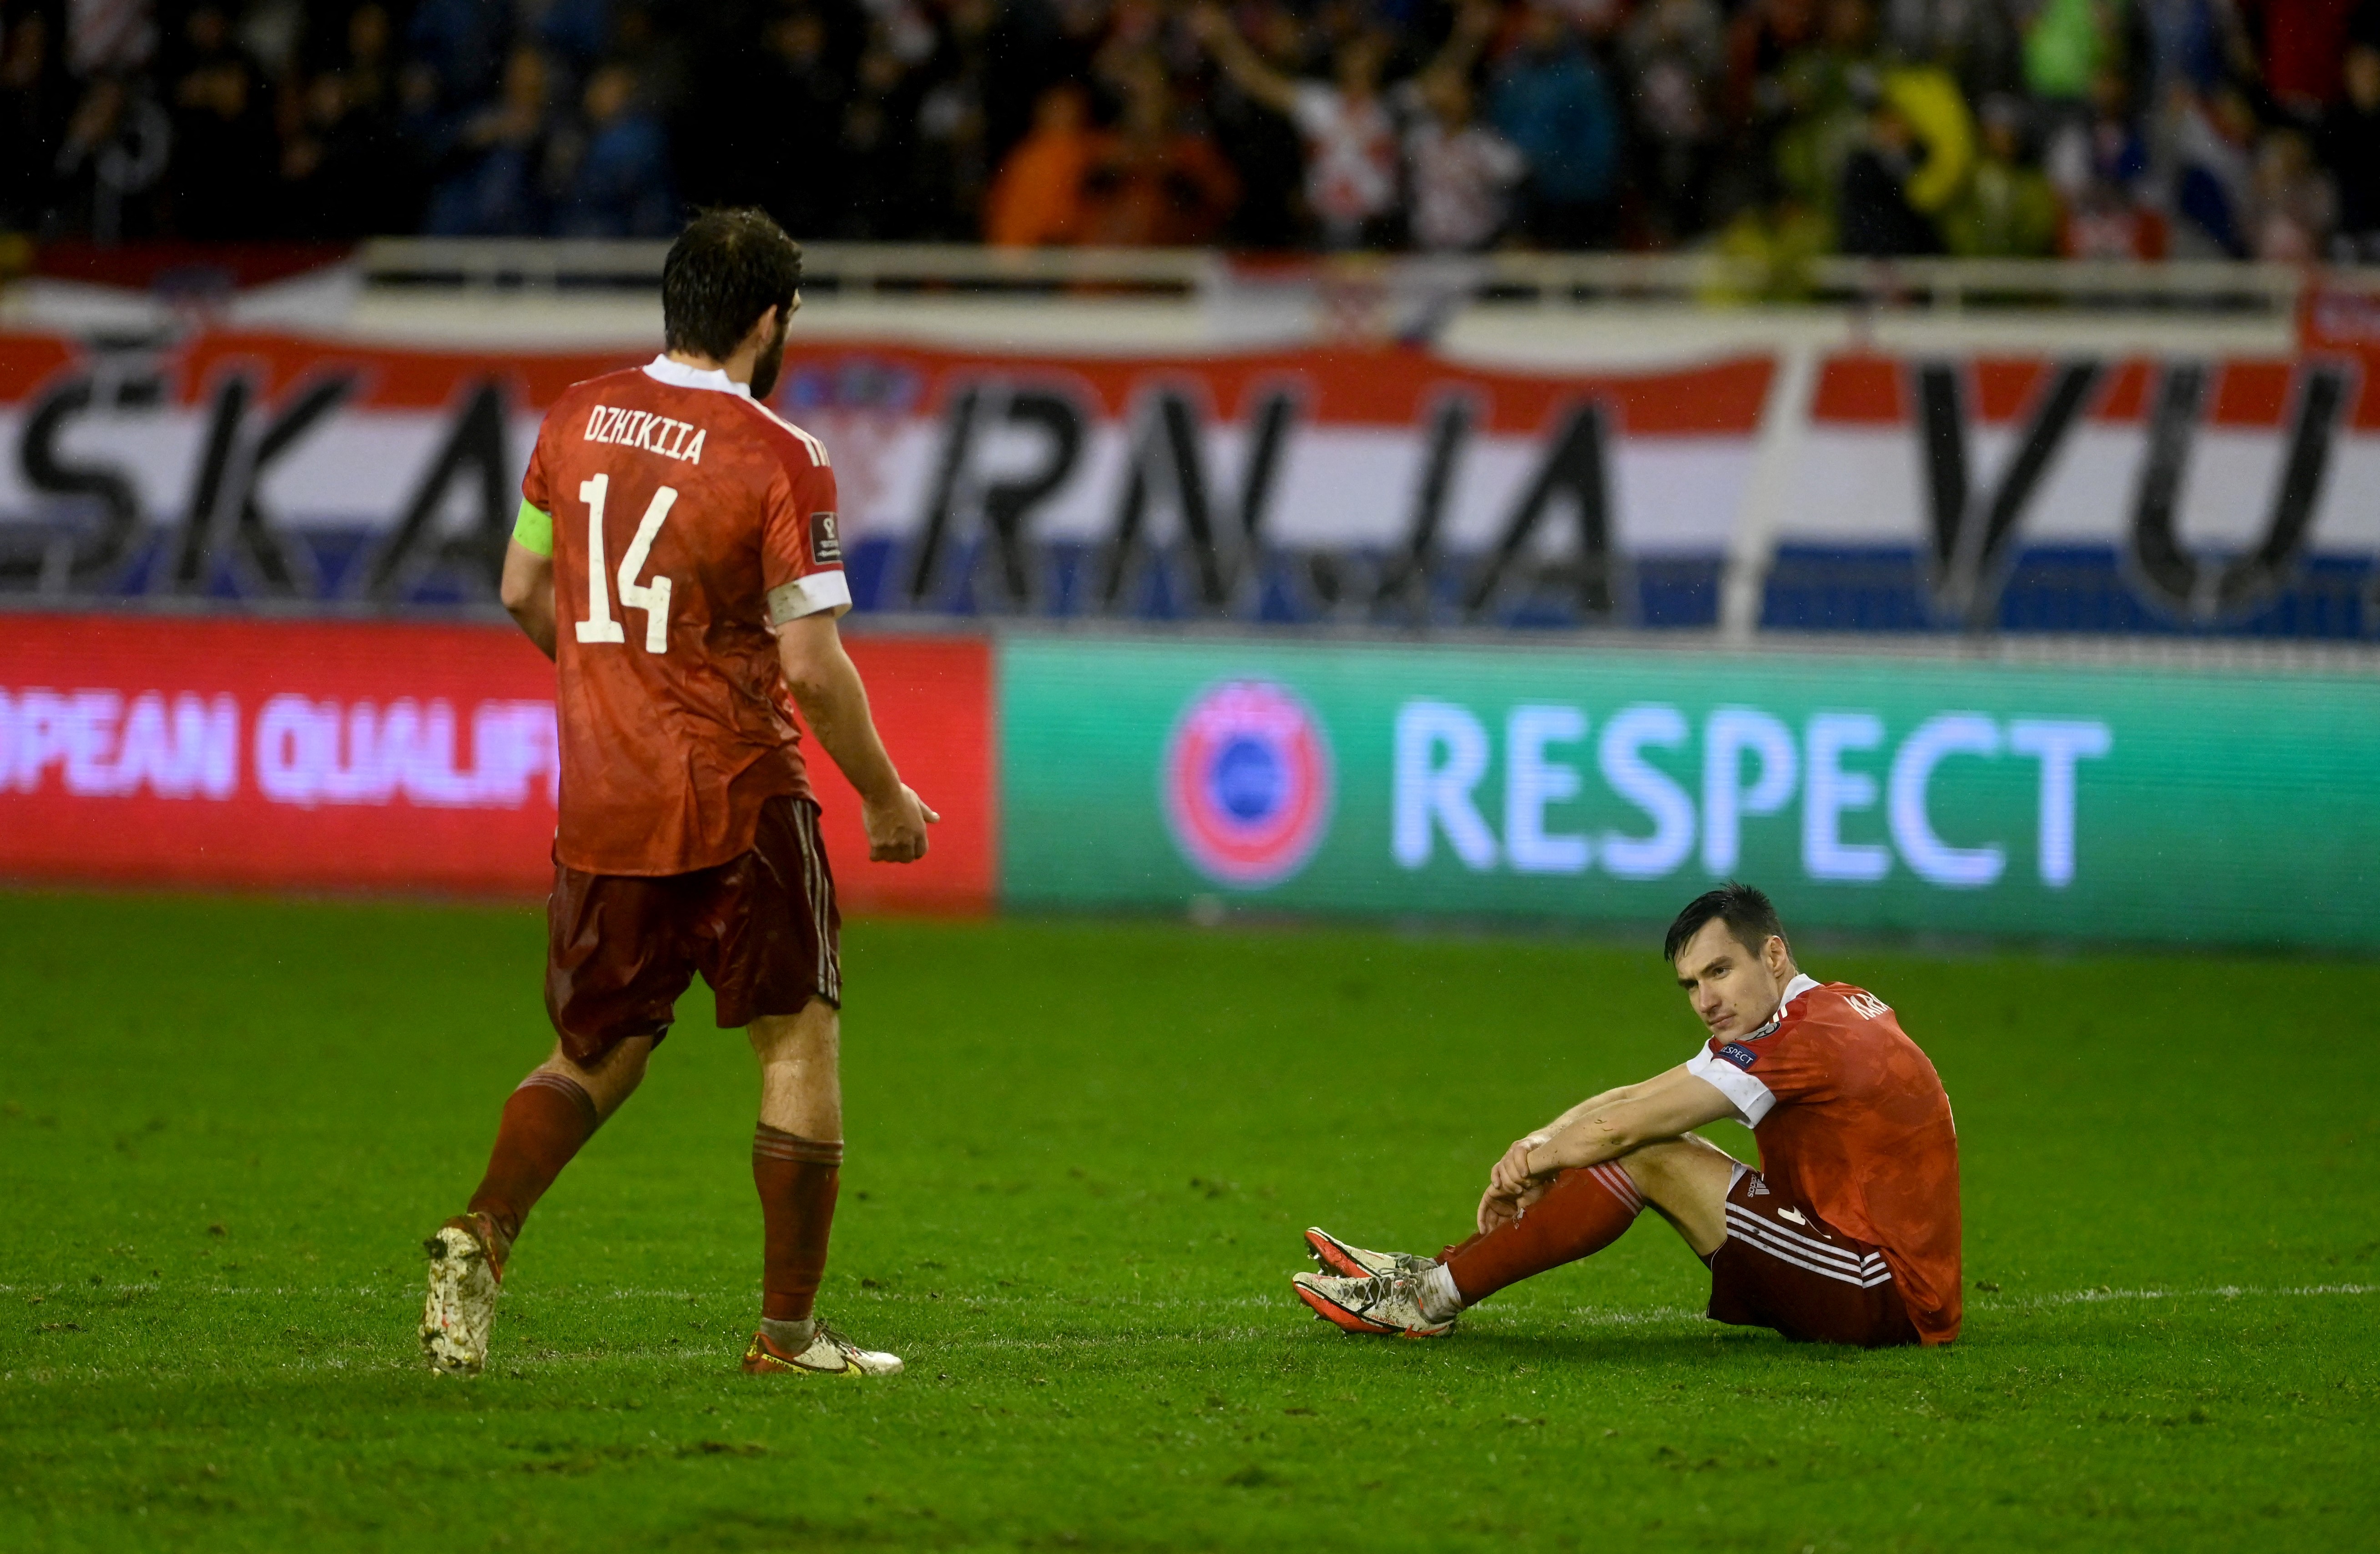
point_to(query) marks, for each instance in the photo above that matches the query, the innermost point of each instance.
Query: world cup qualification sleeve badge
(1247, 782)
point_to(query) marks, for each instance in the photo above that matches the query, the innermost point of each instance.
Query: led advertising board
(1865, 793)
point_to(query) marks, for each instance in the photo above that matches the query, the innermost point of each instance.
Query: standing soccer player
(1846, 1233)
(676, 557)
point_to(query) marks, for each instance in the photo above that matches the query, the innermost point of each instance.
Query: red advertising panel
(388, 756)
(933, 699)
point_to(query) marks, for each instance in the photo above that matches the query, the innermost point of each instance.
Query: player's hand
(896, 829)
(1498, 1208)
(1511, 1174)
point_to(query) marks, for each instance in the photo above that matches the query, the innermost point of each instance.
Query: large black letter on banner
(96, 549)
(1575, 469)
(1004, 505)
(1404, 582)
(474, 449)
(1972, 540)
(2170, 574)
(1167, 458)
(226, 517)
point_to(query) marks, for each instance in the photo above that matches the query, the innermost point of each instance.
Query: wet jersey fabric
(1852, 1120)
(688, 520)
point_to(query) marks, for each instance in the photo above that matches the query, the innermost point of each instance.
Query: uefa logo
(1247, 782)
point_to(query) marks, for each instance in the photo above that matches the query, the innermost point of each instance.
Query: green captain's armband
(533, 530)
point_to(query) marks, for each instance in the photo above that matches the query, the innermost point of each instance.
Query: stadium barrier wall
(1610, 786)
(393, 757)
(1835, 489)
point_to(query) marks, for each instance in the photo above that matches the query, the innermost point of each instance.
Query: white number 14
(652, 598)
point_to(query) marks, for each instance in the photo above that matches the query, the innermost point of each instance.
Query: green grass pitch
(1080, 1159)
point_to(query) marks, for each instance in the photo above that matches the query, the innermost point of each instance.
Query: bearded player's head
(731, 283)
(1732, 958)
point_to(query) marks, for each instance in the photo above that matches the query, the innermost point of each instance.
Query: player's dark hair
(725, 270)
(1750, 917)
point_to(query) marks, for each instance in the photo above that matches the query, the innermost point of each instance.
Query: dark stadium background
(2189, 128)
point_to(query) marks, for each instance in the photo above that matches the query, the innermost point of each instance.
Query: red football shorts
(1783, 1266)
(761, 928)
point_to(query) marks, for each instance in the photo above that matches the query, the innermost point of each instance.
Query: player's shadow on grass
(1721, 1346)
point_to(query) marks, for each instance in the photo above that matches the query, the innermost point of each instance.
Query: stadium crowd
(1768, 128)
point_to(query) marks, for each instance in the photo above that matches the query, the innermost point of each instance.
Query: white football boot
(830, 1353)
(461, 1306)
(1385, 1303)
(1356, 1262)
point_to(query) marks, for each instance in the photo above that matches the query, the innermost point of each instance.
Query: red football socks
(546, 1121)
(796, 1177)
(1581, 1214)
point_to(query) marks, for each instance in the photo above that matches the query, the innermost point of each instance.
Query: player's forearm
(1665, 1106)
(1581, 1110)
(528, 592)
(536, 620)
(1601, 1133)
(827, 687)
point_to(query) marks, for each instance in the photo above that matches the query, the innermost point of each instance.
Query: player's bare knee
(812, 1035)
(1666, 1168)
(612, 1078)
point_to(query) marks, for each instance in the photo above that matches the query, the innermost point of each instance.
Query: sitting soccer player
(1846, 1233)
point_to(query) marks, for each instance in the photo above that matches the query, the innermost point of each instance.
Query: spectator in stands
(1036, 199)
(1769, 248)
(1461, 172)
(2213, 142)
(1152, 181)
(1675, 56)
(111, 158)
(2009, 210)
(1655, 122)
(620, 187)
(948, 175)
(2302, 43)
(1352, 190)
(1764, 35)
(2067, 44)
(1820, 98)
(2292, 206)
(1979, 41)
(1263, 145)
(457, 49)
(879, 126)
(345, 169)
(495, 181)
(1877, 211)
(1550, 100)
(226, 154)
(34, 97)
(769, 128)
(2098, 165)
(574, 33)
(2350, 135)
(2191, 44)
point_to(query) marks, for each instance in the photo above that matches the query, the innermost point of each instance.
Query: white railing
(1563, 280)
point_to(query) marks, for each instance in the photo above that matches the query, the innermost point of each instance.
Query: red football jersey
(688, 520)
(1853, 1121)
